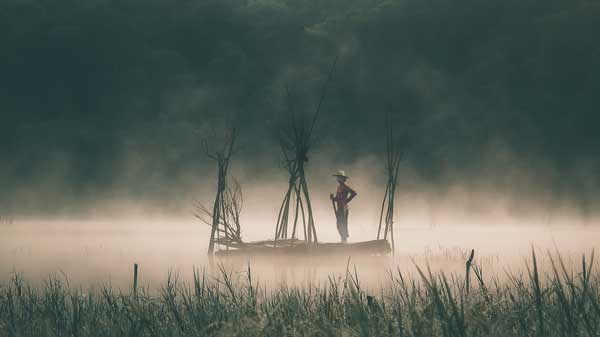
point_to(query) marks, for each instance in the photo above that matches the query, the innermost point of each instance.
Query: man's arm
(352, 193)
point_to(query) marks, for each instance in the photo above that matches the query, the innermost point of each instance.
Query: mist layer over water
(103, 252)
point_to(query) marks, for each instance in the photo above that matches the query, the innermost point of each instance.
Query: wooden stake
(135, 279)
(467, 273)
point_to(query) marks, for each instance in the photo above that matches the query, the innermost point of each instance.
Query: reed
(562, 302)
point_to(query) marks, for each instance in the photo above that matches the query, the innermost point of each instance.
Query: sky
(104, 103)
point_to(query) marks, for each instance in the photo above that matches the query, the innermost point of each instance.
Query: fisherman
(340, 200)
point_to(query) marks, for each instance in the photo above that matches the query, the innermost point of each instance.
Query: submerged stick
(468, 269)
(135, 279)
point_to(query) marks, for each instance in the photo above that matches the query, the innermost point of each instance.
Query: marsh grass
(563, 302)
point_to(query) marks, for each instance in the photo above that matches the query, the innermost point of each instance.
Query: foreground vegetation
(557, 303)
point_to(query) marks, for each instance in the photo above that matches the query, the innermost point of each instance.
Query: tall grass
(562, 302)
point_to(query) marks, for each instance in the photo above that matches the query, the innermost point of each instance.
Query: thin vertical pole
(382, 209)
(216, 216)
(281, 215)
(135, 279)
(389, 209)
(285, 217)
(296, 212)
(468, 269)
(303, 214)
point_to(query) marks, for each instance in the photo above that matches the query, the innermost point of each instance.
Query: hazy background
(103, 103)
(103, 106)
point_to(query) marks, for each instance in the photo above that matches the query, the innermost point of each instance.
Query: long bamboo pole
(296, 212)
(285, 217)
(312, 233)
(215, 223)
(279, 216)
(382, 209)
(298, 195)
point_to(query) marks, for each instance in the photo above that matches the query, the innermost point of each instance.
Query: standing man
(341, 199)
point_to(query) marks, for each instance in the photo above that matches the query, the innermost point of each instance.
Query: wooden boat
(301, 248)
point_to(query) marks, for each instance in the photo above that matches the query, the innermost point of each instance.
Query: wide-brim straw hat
(341, 173)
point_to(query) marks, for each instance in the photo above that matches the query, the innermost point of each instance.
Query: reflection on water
(93, 253)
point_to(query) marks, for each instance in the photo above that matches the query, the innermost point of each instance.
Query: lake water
(103, 252)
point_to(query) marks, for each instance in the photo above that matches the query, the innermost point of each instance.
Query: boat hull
(299, 248)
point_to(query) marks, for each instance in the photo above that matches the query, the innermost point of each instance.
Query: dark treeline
(88, 87)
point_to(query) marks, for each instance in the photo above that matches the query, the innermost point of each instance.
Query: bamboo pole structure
(224, 216)
(393, 159)
(296, 201)
(295, 142)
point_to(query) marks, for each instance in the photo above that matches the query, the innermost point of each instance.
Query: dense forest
(86, 86)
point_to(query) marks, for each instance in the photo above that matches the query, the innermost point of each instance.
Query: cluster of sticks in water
(534, 303)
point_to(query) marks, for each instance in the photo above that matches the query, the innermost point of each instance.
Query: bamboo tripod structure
(220, 226)
(295, 144)
(393, 159)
